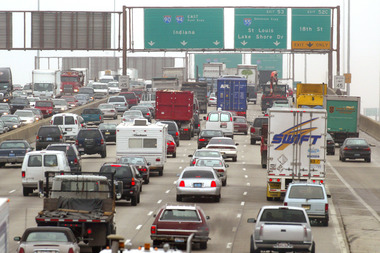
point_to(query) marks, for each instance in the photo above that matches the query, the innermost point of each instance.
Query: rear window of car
(120, 172)
(35, 161)
(222, 141)
(48, 236)
(67, 149)
(359, 142)
(185, 215)
(239, 120)
(116, 99)
(171, 126)
(11, 145)
(44, 104)
(197, 174)
(212, 133)
(107, 126)
(209, 163)
(58, 120)
(260, 121)
(224, 117)
(89, 134)
(283, 215)
(91, 111)
(306, 192)
(214, 117)
(207, 154)
(50, 160)
(48, 130)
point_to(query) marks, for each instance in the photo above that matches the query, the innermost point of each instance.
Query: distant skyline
(365, 40)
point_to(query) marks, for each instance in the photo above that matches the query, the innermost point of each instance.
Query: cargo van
(70, 124)
(144, 139)
(220, 120)
(36, 163)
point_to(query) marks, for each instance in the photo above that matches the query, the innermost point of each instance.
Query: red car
(240, 124)
(131, 98)
(171, 146)
(46, 107)
(173, 224)
(71, 101)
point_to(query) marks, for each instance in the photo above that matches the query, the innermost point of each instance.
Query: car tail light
(76, 122)
(101, 141)
(23, 174)
(112, 110)
(193, 162)
(51, 122)
(213, 184)
(253, 130)
(126, 104)
(71, 250)
(285, 203)
(158, 159)
(170, 143)
(133, 181)
(261, 230)
(220, 170)
(305, 231)
(116, 165)
(75, 161)
(176, 133)
(367, 149)
(230, 118)
(100, 117)
(60, 137)
(76, 142)
(182, 184)
(326, 207)
(153, 229)
(89, 231)
(199, 125)
(346, 148)
(185, 129)
(202, 139)
(148, 113)
(21, 250)
(37, 137)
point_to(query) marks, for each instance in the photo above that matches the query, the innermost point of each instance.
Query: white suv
(220, 120)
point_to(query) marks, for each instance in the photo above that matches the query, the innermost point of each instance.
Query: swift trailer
(232, 94)
(343, 113)
(143, 139)
(296, 148)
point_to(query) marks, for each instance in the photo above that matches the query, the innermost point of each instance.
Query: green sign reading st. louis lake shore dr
(183, 28)
(261, 28)
(311, 28)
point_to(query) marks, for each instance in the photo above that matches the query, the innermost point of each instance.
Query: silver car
(108, 110)
(203, 153)
(226, 146)
(199, 182)
(129, 116)
(26, 117)
(47, 239)
(120, 103)
(312, 197)
(219, 166)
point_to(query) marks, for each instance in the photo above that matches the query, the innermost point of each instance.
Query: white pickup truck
(282, 229)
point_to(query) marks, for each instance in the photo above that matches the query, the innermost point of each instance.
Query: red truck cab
(71, 81)
(46, 107)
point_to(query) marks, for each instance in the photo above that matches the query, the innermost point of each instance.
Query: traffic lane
(356, 193)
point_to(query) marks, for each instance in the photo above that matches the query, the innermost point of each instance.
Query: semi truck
(6, 85)
(200, 90)
(310, 95)
(213, 69)
(343, 114)
(71, 81)
(296, 148)
(84, 202)
(178, 106)
(232, 94)
(46, 83)
(176, 72)
(4, 224)
(86, 74)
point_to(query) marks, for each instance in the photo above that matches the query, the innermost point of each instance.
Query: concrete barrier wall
(370, 126)
(29, 132)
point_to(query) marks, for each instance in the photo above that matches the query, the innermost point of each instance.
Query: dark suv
(127, 178)
(47, 135)
(256, 128)
(172, 130)
(72, 154)
(91, 141)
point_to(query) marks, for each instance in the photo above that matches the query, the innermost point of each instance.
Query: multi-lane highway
(354, 206)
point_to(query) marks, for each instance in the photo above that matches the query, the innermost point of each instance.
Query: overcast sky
(365, 38)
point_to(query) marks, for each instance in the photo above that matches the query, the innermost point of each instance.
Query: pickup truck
(92, 116)
(281, 228)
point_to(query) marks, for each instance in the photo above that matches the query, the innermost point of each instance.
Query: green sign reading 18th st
(260, 28)
(183, 28)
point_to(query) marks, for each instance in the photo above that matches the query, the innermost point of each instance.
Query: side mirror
(148, 164)
(236, 144)
(226, 165)
(17, 238)
(190, 156)
(328, 196)
(204, 117)
(207, 217)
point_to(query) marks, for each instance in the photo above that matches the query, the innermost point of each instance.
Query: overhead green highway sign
(261, 28)
(311, 28)
(183, 28)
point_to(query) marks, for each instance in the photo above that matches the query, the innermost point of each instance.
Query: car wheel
(234, 159)
(368, 160)
(26, 191)
(312, 248)
(343, 159)
(161, 172)
(203, 245)
(252, 247)
(179, 198)
(140, 191)
(115, 117)
(217, 198)
(96, 249)
(174, 154)
(2, 165)
(333, 153)
(146, 181)
(224, 183)
(156, 243)
(245, 133)
(253, 142)
(138, 198)
(104, 154)
(263, 165)
(134, 201)
(325, 222)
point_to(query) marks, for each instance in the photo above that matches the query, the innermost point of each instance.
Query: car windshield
(133, 160)
(206, 153)
(212, 133)
(222, 141)
(239, 120)
(106, 106)
(197, 174)
(306, 192)
(9, 119)
(43, 104)
(113, 85)
(107, 126)
(180, 215)
(209, 163)
(12, 145)
(48, 236)
(358, 142)
(283, 215)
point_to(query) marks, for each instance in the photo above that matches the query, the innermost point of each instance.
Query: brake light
(21, 250)
(101, 141)
(170, 143)
(100, 117)
(182, 184)
(285, 203)
(252, 130)
(202, 139)
(76, 122)
(75, 161)
(115, 165)
(148, 113)
(326, 207)
(305, 231)
(347, 148)
(207, 118)
(89, 231)
(23, 174)
(176, 133)
(185, 129)
(37, 137)
(133, 181)
(153, 229)
(199, 125)
(76, 142)
(60, 137)
(193, 161)
(51, 122)
(213, 184)
(112, 110)
(158, 159)
(367, 149)
(71, 250)
(220, 170)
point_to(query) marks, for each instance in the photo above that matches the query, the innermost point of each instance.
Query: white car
(226, 146)
(113, 87)
(60, 105)
(212, 99)
(219, 166)
(100, 90)
(26, 117)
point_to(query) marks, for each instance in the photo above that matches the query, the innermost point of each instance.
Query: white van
(220, 120)
(143, 139)
(70, 124)
(36, 163)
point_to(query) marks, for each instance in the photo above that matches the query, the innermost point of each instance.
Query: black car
(355, 148)
(131, 185)
(172, 130)
(140, 163)
(197, 124)
(205, 136)
(145, 111)
(18, 103)
(13, 151)
(91, 141)
(330, 145)
(48, 135)
(72, 154)
(109, 131)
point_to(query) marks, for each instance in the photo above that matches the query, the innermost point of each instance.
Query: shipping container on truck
(310, 95)
(178, 106)
(165, 83)
(232, 94)
(250, 72)
(296, 148)
(200, 91)
(343, 114)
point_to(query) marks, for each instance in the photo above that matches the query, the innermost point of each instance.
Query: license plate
(12, 154)
(49, 138)
(306, 207)
(80, 149)
(356, 155)
(68, 129)
(107, 133)
(197, 185)
(283, 245)
(179, 239)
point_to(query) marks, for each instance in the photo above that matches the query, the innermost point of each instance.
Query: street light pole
(348, 44)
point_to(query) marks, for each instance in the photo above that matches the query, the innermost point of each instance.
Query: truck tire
(161, 172)
(179, 198)
(96, 249)
(312, 248)
(203, 245)
(134, 201)
(103, 154)
(26, 191)
(253, 141)
(156, 243)
(174, 154)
